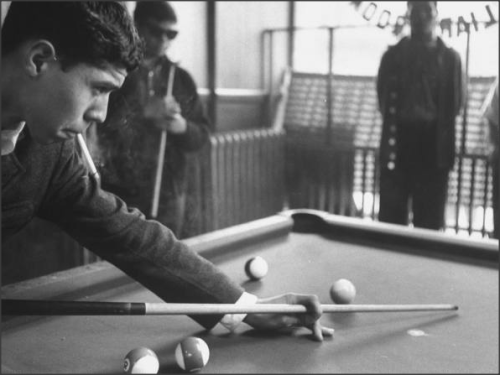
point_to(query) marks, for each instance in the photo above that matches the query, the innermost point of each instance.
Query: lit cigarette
(87, 157)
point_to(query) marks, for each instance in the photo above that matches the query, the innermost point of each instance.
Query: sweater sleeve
(144, 249)
(198, 126)
(382, 77)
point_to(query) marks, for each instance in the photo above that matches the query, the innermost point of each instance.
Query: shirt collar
(10, 138)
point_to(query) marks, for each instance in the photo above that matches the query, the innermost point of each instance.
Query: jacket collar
(12, 168)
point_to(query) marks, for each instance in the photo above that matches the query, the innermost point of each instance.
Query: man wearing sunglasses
(129, 142)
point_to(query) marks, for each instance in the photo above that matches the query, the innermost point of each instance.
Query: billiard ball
(141, 361)
(256, 268)
(342, 291)
(192, 354)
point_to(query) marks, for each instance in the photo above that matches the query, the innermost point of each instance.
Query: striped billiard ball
(141, 361)
(192, 354)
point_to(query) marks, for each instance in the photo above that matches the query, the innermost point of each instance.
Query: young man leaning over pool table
(60, 61)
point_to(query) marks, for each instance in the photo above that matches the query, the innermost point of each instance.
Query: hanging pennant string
(384, 18)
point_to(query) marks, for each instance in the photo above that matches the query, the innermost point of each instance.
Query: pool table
(307, 251)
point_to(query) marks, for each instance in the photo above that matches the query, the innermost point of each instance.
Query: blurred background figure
(419, 87)
(491, 125)
(129, 141)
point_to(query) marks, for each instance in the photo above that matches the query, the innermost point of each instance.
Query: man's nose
(98, 112)
(165, 40)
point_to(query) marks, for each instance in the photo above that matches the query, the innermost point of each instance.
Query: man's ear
(40, 54)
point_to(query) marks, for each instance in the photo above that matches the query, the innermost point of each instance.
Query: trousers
(416, 193)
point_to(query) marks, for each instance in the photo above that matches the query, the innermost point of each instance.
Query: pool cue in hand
(161, 151)
(45, 307)
(87, 157)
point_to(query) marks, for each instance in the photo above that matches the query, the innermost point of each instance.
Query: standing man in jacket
(129, 141)
(419, 89)
(60, 61)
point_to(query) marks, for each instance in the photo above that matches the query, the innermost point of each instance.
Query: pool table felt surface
(465, 341)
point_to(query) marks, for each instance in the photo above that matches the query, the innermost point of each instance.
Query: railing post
(485, 195)
(471, 192)
(291, 33)
(329, 89)
(212, 62)
(464, 129)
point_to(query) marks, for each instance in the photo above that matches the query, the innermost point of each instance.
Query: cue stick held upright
(161, 150)
(87, 157)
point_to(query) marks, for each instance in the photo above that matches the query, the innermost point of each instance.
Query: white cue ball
(342, 291)
(256, 268)
(141, 361)
(192, 354)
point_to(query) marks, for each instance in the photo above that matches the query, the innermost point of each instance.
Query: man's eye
(102, 90)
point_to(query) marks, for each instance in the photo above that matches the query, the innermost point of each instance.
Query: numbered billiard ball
(256, 268)
(192, 354)
(141, 361)
(342, 291)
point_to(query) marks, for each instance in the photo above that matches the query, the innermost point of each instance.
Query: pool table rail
(397, 236)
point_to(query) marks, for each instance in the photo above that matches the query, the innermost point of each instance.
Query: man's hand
(175, 124)
(165, 114)
(309, 320)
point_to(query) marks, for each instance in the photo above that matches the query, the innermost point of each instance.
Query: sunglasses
(158, 32)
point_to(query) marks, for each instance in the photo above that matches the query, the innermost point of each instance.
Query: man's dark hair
(410, 3)
(159, 11)
(96, 33)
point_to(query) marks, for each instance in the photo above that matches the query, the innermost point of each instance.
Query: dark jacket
(129, 144)
(390, 88)
(51, 182)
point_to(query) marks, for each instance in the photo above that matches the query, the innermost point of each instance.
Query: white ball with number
(141, 361)
(192, 354)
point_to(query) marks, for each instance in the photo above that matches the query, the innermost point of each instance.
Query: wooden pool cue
(161, 151)
(87, 157)
(45, 307)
